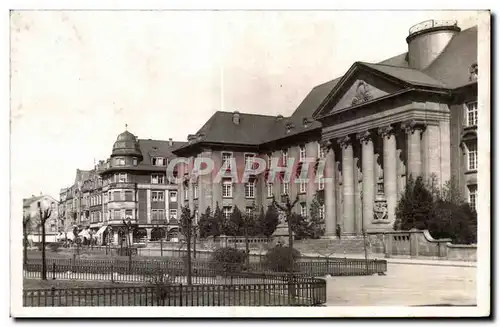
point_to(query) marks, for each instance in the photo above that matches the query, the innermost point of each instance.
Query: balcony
(122, 185)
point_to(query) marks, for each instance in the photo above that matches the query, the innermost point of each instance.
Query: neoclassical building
(414, 114)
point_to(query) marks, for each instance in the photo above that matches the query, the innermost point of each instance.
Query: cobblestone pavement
(406, 285)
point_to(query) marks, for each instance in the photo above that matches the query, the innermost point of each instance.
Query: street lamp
(128, 225)
(45, 210)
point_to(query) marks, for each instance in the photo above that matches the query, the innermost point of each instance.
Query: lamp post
(45, 210)
(128, 226)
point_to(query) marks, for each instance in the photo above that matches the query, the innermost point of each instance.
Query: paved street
(406, 285)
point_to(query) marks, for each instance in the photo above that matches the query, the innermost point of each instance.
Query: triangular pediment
(359, 85)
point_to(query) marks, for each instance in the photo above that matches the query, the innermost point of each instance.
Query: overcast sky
(78, 77)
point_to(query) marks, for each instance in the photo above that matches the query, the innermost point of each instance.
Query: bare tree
(44, 216)
(187, 219)
(26, 224)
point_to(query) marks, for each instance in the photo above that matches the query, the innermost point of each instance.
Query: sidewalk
(395, 260)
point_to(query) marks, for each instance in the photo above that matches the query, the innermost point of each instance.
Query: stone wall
(419, 244)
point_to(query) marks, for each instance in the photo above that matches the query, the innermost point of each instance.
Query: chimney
(191, 138)
(236, 117)
(170, 142)
(426, 41)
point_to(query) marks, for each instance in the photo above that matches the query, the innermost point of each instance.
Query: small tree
(281, 259)
(270, 221)
(235, 223)
(228, 259)
(316, 223)
(204, 225)
(26, 227)
(217, 222)
(415, 207)
(300, 226)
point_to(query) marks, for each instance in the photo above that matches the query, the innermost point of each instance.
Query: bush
(228, 259)
(54, 247)
(281, 259)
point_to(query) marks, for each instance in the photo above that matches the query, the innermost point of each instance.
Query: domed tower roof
(126, 145)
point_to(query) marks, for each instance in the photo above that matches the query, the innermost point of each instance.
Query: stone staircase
(334, 246)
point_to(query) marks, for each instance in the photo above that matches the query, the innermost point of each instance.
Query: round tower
(427, 40)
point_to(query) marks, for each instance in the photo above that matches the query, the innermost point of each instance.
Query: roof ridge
(379, 64)
(246, 113)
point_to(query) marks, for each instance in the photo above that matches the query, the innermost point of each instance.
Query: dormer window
(159, 161)
(289, 127)
(120, 161)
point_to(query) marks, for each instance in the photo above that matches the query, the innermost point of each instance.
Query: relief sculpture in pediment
(362, 94)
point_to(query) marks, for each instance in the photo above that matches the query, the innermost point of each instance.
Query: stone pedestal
(281, 233)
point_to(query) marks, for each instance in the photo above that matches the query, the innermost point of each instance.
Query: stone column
(390, 170)
(330, 201)
(348, 184)
(367, 161)
(413, 131)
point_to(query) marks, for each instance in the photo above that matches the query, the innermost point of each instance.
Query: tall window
(269, 187)
(128, 213)
(173, 196)
(250, 189)
(321, 184)
(226, 159)
(286, 188)
(472, 156)
(269, 159)
(302, 153)
(227, 188)
(120, 161)
(117, 196)
(321, 151)
(157, 214)
(186, 191)
(129, 196)
(284, 157)
(195, 190)
(249, 160)
(248, 211)
(303, 209)
(157, 179)
(471, 111)
(117, 214)
(321, 212)
(302, 187)
(226, 212)
(157, 196)
(473, 196)
(172, 214)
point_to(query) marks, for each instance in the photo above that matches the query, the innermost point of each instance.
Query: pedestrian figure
(337, 230)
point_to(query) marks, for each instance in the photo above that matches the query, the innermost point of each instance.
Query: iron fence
(301, 292)
(138, 270)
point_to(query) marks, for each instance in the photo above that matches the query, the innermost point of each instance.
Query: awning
(100, 231)
(85, 233)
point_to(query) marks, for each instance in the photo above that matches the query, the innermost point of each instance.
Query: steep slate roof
(450, 70)
(27, 202)
(452, 65)
(156, 148)
(410, 75)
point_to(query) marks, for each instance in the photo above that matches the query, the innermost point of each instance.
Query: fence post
(53, 270)
(52, 294)
(180, 294)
